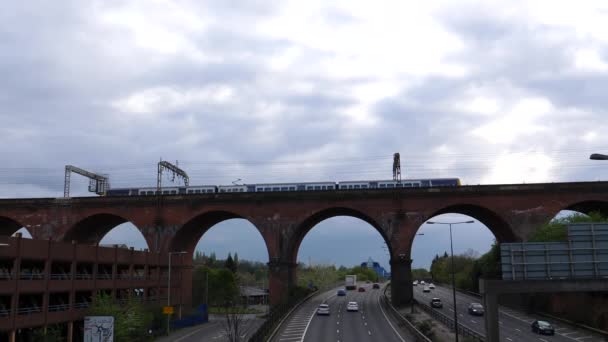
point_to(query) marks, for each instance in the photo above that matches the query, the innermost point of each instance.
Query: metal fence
(402, 321)
(449, 322)
(275, 317)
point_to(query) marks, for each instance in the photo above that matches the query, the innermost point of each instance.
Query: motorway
(371, 323)
(513, 325)
(213, 330)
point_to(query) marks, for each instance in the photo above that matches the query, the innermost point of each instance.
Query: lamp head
(597, 156)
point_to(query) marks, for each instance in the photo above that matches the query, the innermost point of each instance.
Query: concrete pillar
(401, 281)
(70, 331)
(490, 303)
(282, 277)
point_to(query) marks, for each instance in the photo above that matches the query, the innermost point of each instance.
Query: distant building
(374, 265)
(253, 295)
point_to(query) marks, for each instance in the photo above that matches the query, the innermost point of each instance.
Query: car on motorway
(376, 286)
(543, 327)
(323, 309)
(476, 309)
(415, 283)
(361, 289)
(431, 286)
(341, 292)
(426, 289)
(436, 303)
(352, 306)
(422, 282)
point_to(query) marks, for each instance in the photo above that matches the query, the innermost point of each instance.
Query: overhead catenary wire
(419, 165)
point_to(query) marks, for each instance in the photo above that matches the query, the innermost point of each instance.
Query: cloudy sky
(263, 91)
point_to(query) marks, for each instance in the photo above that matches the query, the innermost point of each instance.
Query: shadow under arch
(188, 236)
(499, 227)
(587, 207)
(310, 222)
(8, 226)
(92, 229)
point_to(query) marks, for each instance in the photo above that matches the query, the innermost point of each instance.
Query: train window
(268, 189)
(276, 189)
(416, 185)
(292, 188)
(174, 192)
(222, 190)
(399, 185)
(343, 187)
(363, 186)
(382, 186)
(210, 190)
(309, 188)
(390, 185)
(357, 186)
(407, 185)
(284, 188)
(317, 187)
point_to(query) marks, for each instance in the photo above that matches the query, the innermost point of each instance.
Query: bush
(426, 328)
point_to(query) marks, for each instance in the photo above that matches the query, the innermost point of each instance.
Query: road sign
(168, 310)
(99, 328)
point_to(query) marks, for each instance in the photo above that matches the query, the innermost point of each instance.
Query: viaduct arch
(511, 212)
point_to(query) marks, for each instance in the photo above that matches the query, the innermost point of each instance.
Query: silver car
(323, 310)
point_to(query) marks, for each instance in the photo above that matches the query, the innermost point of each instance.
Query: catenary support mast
(97, 183)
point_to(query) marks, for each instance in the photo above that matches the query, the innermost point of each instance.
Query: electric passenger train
(276, 187)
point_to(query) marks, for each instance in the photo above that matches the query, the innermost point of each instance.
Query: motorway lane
(514, 326)
(293, 329)
(368, 324)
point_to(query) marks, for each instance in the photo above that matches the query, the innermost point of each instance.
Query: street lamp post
(169, 289)
(453, 271)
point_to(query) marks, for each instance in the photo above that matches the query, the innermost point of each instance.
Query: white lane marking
(542, 339)
(389, 321)
(290, 339)
(509, 339)
(369, 332)
(584, 337)
(517, 329)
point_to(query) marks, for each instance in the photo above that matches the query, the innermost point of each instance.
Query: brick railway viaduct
(177, 222)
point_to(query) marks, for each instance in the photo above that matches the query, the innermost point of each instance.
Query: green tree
(51, 334)
(557, 229)
(131, 321)
(421, 273)
(230, 264)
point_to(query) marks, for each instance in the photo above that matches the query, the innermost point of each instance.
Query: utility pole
(397, 167)
(97, 183)
(175, 172)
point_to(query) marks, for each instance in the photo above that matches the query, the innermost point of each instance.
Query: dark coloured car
(376, 286)
(476, 309)
(543, 328)
(436, 303)
(341, 292)
(362, 289)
